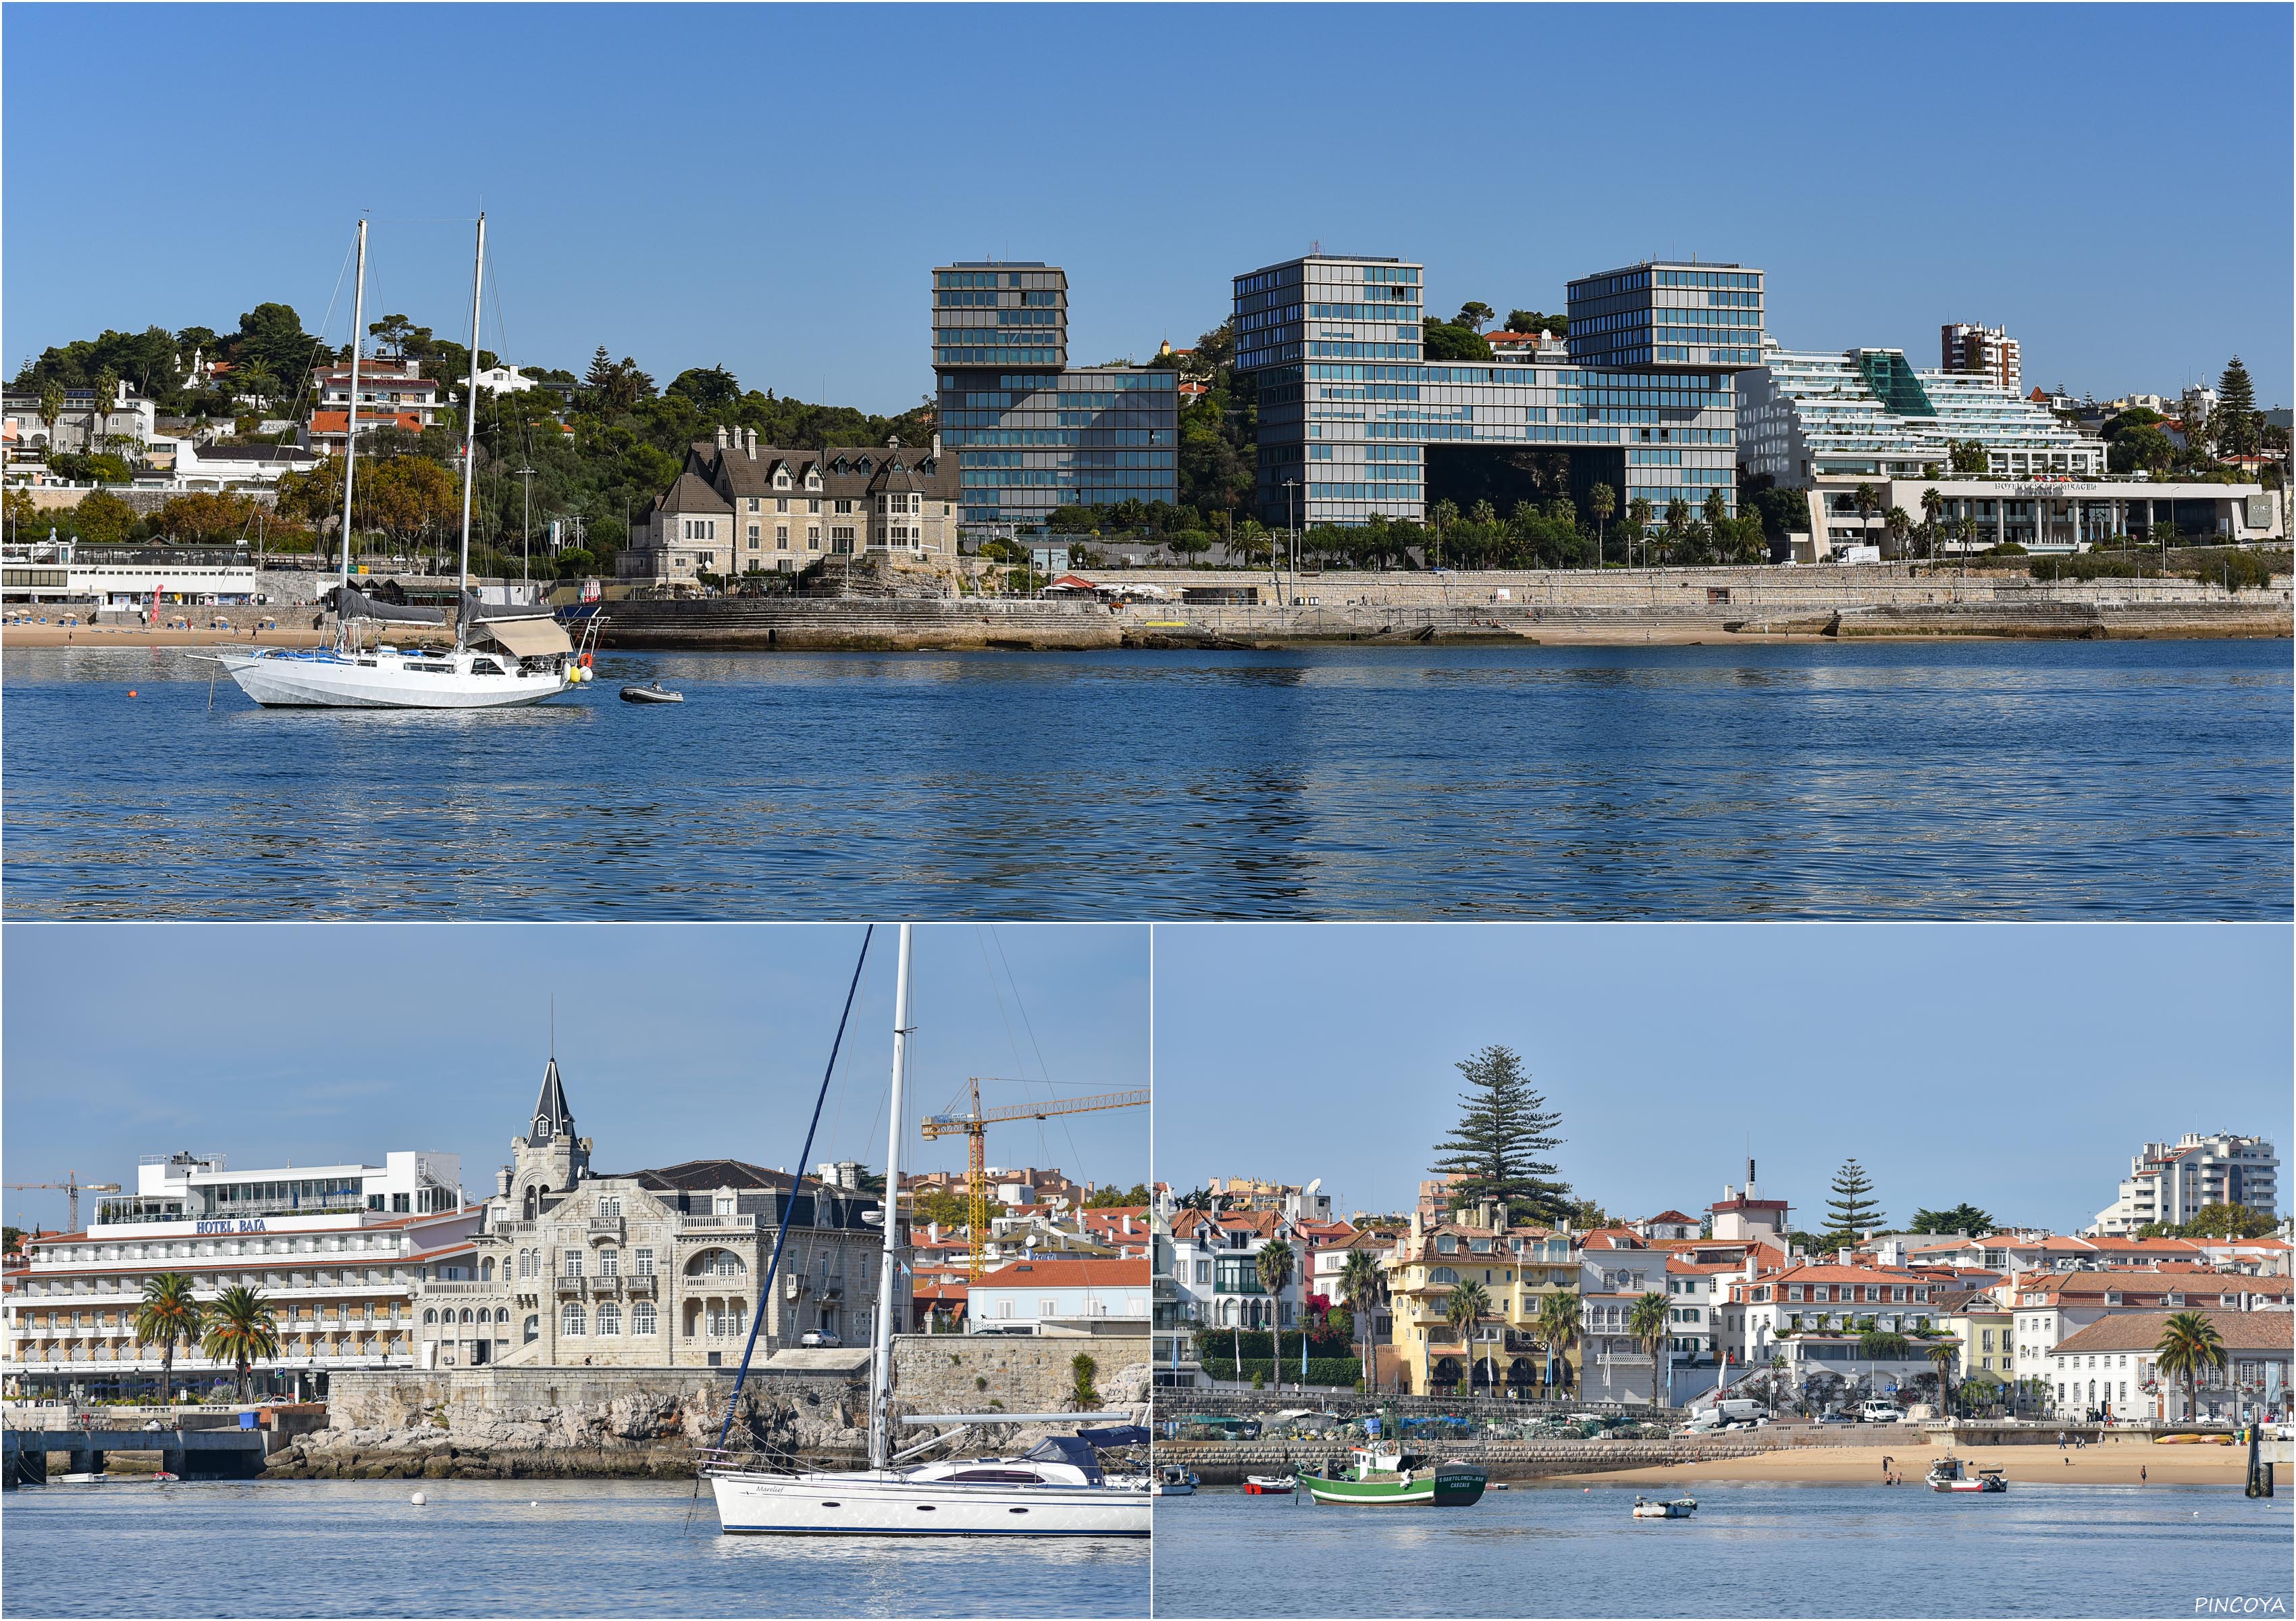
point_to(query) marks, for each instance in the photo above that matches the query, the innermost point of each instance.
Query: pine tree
(1851, 1212)
(1496, 1149)
(2234, 420)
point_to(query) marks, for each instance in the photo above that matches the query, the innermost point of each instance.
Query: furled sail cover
(348, 602)
(1069, 1450)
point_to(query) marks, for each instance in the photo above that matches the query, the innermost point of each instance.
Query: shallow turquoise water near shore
(589, 1548)
(2009, 779)
(1751, 1550)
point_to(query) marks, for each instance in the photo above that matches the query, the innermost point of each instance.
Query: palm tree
(1677, 523)
(171, 1316)
(1603, 501)
(107, 394)
(1942, 1357)
(1469, 1305)
(241, 1330)
(1275, 1267)
(1558, 1327)
(1717, 510)
(1361, 1284)
(2189, 1342)
(52, 410)
(1639, 515)
(1933, 505)
(1867, 500)
(1647, 1321)
(1900, 523)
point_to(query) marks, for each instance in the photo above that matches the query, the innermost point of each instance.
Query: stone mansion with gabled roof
(574, 1267)
(739, 507)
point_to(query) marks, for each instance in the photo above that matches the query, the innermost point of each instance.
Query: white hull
(387, 680)
(888, 1505)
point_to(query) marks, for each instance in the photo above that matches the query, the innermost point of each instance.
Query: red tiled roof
(1069, 1272)
(338, 422)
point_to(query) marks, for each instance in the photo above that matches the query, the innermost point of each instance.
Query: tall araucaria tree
(1498, 1149)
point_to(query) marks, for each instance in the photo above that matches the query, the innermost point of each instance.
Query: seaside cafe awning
(528, 638)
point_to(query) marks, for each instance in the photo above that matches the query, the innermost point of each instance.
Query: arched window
(486, 1269)
(715, 1264)
(466, 1313)
(530, 1211)
(429, 1315)
(533, 1330)
(502, 1315)
(526, 1264)
(570, 1318)
(610, 1318)
(1442, 1274)
(641, 1318)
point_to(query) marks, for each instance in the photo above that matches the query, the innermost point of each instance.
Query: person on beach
(1885, 1468)
(2140, 1474)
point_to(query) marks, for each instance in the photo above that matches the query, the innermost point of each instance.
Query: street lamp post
(1292, 535)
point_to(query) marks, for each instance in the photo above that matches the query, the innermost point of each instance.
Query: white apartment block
(2172, 1184)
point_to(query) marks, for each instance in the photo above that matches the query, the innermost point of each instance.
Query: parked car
(1834, 1418)
(818, 1339)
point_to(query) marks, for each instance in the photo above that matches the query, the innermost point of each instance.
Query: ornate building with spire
(659, 1268)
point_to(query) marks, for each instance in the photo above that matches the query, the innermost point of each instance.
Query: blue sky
(2017, 1067)
(767, 187)
(675, 1042)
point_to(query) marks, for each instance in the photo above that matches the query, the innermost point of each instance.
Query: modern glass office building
(1331, 345)
(1031, 431)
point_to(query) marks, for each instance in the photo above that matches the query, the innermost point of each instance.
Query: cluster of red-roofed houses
(1748, 1304)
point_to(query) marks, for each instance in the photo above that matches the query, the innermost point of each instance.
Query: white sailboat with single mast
(501, 657)
(1056, 1489)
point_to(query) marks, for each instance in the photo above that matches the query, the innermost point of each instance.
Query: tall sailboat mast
(880, 1369)
(350, 425)
(470, 441)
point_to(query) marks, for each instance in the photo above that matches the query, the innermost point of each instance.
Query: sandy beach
(2105, 1465)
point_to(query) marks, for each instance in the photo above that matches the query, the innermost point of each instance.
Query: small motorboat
(1173, 1481)
(1678, 1507)
(1951, 1474)
(653, 693)
(1270, 1485)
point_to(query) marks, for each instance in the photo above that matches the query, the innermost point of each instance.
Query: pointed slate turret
(552, 1117)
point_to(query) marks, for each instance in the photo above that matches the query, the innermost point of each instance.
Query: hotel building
(1350, 410)
(1828, 423)
(340, 1251)
(1031, 431)
(1988, 351)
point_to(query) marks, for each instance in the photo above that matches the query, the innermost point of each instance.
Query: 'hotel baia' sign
(252, 1224)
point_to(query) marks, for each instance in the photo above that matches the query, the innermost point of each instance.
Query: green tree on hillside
(1963, 1218)
(1474, 315)
(1447, 341)
(2229, 1221)
(1498, 1149)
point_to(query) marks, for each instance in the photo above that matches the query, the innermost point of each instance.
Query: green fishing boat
(1380, 1478)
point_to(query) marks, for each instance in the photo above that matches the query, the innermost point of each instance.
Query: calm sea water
(2095, 780)
(358, 1548)
(1751, 1550)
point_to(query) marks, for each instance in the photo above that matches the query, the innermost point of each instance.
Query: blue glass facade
(1030, 432)
(1331, 346)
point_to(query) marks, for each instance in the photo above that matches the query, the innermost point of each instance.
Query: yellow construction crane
(72, 1186)
(975, 1126)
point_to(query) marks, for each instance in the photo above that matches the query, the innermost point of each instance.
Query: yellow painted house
(1518, 1268)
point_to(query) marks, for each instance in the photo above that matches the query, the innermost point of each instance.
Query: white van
(1881, 1412)
(1729, 1414)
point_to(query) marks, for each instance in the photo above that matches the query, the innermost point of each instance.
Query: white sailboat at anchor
(1057, 1488)
(501, 657)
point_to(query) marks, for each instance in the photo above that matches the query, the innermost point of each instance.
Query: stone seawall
(1016, 1373)
(540, 1423)
(506, 1423)
(872, 625)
